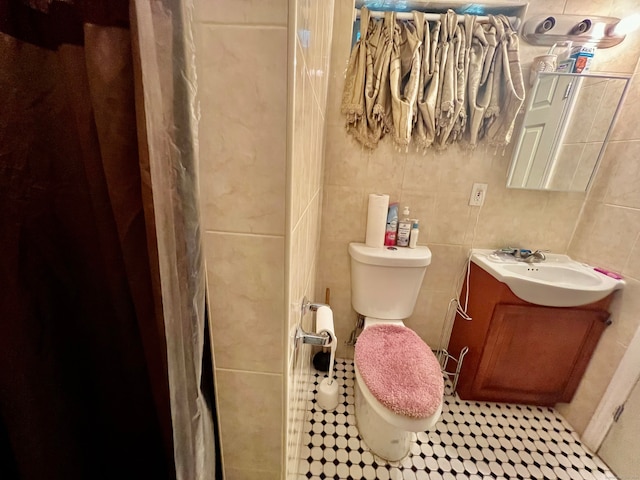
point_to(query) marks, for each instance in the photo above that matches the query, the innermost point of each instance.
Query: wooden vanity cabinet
(520, 352)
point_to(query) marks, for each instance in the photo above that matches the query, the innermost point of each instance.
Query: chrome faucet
(530, 257)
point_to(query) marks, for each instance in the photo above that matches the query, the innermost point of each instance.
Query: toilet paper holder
(321, 339)
(308, 305)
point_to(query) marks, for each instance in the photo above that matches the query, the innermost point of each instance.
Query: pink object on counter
(608, 273)
(400, 370)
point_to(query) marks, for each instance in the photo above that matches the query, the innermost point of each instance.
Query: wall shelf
(548, 30)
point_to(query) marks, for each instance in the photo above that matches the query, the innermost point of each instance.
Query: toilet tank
(385, 282)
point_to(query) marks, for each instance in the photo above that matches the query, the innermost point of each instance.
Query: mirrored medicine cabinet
(567, 122)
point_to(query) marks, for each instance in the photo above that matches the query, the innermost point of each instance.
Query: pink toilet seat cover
(400, 370)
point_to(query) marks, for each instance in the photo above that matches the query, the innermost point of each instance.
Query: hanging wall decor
(431, 83)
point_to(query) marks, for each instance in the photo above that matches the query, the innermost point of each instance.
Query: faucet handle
(539, 255)
(541, 251)
(526, 255)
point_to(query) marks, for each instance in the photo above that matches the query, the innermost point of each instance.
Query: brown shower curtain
(83, 367)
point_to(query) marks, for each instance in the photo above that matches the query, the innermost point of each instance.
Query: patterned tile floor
(472, 440)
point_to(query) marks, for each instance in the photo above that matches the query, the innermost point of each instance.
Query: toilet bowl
(399, 385)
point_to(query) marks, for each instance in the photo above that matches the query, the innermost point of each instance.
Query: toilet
(399, 384)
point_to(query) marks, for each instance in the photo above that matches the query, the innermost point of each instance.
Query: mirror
(567, 123)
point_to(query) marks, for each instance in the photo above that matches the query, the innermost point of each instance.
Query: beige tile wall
(608, 235)
(242, 77)
(261, 255)
(310, 41)
(437, 186)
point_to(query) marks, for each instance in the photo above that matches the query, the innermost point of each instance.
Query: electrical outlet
(478, 192)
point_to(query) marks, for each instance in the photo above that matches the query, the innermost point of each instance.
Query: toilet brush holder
(327, 396)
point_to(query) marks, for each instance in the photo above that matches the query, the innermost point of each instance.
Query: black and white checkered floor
(472, 440)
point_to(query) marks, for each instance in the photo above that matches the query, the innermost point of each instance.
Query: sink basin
(559, 281)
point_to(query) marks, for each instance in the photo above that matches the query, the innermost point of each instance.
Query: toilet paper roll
(324, 324)
(376, 220)
(324, 321)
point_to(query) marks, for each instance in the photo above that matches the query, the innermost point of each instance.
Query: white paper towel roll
(376, 220)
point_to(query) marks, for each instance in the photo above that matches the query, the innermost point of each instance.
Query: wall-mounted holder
(308, 305)
(321, 339)
(444, 358)
(601, 32)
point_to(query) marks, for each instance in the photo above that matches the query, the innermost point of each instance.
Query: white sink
(558, 281)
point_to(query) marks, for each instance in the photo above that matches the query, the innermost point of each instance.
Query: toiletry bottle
(404, 229)
(413, 239)
(392, 225)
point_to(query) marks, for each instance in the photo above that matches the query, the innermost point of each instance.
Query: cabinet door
(536, 354)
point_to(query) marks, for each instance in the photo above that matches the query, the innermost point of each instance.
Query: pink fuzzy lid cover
(400, 370)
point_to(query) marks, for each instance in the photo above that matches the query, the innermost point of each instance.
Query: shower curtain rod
(515, 21)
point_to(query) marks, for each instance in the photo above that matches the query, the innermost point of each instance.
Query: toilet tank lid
(391, 256)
